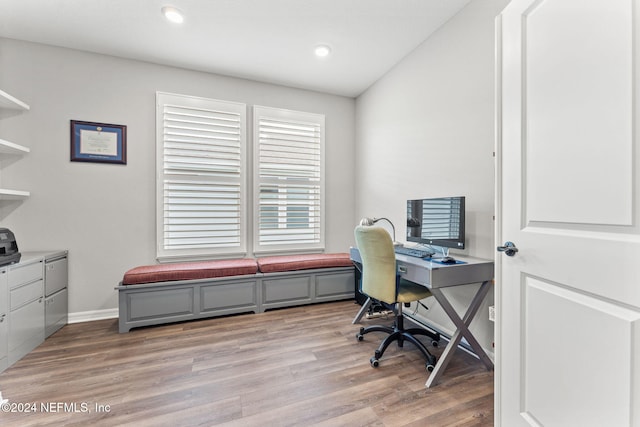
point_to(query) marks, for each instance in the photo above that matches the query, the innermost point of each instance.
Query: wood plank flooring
(298, 366)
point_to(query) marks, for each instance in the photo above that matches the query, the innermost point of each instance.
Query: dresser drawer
(4, 292)
(4, 337)
(26, 330)
(55, 312)
(56, 276)
(26, 293)
(21, 274)
(414, 273)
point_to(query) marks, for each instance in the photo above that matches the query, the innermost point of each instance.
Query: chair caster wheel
(374, 362)
(431, 363)
(359, 337)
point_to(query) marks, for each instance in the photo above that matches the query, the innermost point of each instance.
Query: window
(201, 161)
(288, 180)
(202, 169)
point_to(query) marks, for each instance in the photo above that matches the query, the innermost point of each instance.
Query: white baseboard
(89, 316)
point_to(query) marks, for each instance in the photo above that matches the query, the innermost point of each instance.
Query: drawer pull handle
(402, 268)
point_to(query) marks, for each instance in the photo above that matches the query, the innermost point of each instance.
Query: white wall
(105, 214)
(426, 129)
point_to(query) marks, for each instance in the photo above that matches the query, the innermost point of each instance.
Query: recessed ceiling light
(173, 14)
(322, 50)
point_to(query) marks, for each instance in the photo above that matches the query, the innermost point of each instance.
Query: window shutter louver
(201, 163)
(289, 182)
(441, 218)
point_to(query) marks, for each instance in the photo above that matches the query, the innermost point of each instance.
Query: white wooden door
(568, 302)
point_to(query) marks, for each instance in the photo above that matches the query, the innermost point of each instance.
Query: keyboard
(418, 253)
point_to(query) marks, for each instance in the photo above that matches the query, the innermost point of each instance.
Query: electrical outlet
(492, 313)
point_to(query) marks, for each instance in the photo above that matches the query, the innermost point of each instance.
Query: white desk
(436, 276)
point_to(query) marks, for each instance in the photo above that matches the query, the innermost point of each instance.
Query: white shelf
(13, 194)
(8, 147)
(9, 102)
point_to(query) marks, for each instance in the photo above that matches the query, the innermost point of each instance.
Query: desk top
(437, 275)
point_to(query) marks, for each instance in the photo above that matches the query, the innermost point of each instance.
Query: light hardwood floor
(292, 367)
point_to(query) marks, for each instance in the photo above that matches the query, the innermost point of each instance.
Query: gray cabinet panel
(4, 318)
(55, 275)
(4, 341)
(292, 289)
(55, 312)
(25, 294)
(21, 274)
(225, 296)
(26, 329)
(4, 292)
(332, 285)
(166, 302)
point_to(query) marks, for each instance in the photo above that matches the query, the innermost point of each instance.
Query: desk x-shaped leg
(462, 330)
(363, 310)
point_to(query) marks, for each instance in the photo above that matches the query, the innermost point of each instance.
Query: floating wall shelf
(13, 194)
(8, 147)
(8, 102)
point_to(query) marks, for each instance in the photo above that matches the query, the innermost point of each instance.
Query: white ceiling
(265, 40)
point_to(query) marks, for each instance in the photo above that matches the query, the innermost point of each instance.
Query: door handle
(509, 248)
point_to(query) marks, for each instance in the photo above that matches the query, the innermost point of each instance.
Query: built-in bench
(165, 293)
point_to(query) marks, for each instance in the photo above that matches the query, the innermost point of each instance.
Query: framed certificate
(98, 142)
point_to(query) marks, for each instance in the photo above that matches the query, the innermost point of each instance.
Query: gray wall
(105, 214)
(426, 129)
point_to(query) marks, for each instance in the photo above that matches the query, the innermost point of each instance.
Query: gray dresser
(4, 318)
(33, 304)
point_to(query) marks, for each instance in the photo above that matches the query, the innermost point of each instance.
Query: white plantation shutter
(201, 175)
(288, 180)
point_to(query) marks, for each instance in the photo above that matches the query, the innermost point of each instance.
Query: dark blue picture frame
(98, 142)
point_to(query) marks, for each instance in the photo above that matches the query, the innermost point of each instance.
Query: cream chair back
(378, 263)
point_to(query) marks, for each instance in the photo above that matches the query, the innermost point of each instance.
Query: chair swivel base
(398, 334)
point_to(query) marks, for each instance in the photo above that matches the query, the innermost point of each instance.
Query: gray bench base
(168, 302)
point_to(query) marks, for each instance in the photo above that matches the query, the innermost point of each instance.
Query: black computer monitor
(437, 221)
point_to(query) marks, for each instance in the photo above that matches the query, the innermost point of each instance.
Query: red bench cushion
(189, 271)
(303, 262)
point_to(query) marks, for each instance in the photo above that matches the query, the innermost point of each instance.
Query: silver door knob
(509, 248)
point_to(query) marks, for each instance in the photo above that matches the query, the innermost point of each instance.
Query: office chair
(381, 282)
